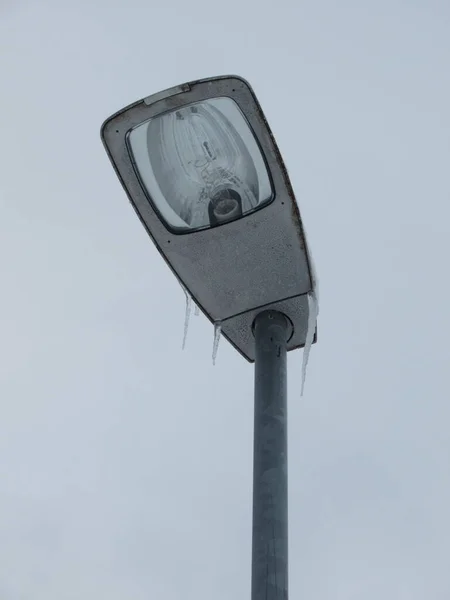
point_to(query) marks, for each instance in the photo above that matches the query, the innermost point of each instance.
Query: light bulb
(203, 166)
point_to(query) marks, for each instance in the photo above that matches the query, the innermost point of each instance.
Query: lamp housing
(203, 172)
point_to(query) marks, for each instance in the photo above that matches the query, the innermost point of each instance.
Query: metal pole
(270, 503)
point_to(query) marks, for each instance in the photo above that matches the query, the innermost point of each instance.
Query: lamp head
(202, 170)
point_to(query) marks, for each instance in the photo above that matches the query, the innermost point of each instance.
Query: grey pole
(270, 503)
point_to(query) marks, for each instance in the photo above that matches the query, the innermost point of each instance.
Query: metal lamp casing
(240, 268)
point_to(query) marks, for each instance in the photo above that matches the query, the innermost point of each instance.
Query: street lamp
(204, 174)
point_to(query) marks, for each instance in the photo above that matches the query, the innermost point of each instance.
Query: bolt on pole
(270, 477)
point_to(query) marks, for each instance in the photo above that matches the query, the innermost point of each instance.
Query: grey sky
(125, 464)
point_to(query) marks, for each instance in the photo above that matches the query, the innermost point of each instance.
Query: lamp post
(203, 172)
(270, 501)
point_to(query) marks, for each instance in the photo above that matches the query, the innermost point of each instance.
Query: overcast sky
(125, 463)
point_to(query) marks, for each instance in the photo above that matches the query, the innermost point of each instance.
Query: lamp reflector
(200, 165)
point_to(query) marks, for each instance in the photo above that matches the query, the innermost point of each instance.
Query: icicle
(217, 332)
(186, 315)
(196, 311)
(315, 282)
(313, 310)
(314, 278)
